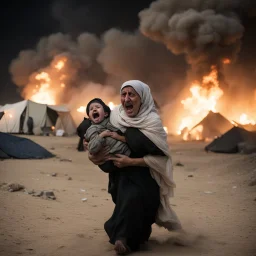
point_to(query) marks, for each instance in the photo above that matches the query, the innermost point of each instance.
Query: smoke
(130, 55)
(108, 60)
(206, 32)
(175, 38)
(80, 63)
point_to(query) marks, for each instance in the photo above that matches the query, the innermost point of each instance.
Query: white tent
(16, 116)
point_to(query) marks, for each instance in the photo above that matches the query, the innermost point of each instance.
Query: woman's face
(131, 101)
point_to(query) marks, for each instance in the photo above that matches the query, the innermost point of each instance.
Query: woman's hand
(121, 161)
(101, 157)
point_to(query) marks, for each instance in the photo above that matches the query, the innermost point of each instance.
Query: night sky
(24, 23)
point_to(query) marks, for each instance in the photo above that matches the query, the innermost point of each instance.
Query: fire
(81, 109)
(43, 91)
(244, 120)
(226, 61)
(204, 98)
(111, 105)
(195, 133)
(60, 64)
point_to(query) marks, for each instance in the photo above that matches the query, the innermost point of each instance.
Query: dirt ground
(213, 198)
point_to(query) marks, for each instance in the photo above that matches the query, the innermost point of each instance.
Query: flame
(81, 109)
(226, 61)
(111, 105)
(166, 129)
(204, 98)
(244, 120)
(60, 64)
(43, 91)
(197, 132)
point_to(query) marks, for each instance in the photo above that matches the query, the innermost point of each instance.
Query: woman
(142, 187)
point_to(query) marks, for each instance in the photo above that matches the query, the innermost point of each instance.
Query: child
(102, 133)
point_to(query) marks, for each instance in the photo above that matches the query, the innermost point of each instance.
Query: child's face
(96, 112)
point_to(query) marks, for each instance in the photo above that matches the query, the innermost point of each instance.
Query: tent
(17, 116)
(248, 127)
(229, 142)
(213, 125)
(16, 147)
(1, 114)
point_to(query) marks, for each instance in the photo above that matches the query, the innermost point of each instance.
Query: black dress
(135, 194)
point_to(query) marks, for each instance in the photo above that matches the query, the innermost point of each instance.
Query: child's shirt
(96, 142)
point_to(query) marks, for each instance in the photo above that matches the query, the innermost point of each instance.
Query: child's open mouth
(95, 115)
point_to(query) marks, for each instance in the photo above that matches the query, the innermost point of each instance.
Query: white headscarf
(150, 124)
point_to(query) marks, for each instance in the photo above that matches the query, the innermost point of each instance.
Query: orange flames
(204, 98)
(226, 61)
(44, 91)
(244, 119)
(48, 84)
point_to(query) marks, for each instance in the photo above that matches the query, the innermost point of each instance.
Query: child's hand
(106, 133)
(115, 135)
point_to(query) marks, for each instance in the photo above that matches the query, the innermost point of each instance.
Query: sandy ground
(213, 200)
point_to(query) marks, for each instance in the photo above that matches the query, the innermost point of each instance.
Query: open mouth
(129, 107)
(95, 115)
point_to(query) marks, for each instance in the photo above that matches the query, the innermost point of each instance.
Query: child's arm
(96, 141)
(116, 136)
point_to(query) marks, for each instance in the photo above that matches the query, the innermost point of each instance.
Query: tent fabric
(22, 148)
(248, 127)
(214, 124)
(65, 122)
(229, 142)
(1, 114)
(3, 155)
(38, 114)
(43, 115)
(59, 108)
(11, 119)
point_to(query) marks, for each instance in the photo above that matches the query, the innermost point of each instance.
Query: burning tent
(232, 141)
(19, 116)
(248, 127)
(212, 126)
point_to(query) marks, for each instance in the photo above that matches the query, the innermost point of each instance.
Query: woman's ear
(106, 114)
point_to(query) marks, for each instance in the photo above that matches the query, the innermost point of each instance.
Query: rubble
(12, 187)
